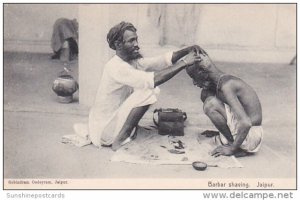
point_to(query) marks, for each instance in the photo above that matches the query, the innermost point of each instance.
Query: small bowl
(200, 166)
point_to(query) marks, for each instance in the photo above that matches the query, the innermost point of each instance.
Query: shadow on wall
(64, 39)
(175, 23)
(29, 27)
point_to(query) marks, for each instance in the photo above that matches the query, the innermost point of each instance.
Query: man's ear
(190, 70)
(118, 44)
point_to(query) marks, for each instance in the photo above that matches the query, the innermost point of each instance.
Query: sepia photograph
(150, 96)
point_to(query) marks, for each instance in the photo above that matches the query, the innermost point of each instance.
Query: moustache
(136, 49)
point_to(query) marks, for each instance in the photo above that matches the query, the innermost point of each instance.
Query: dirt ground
(34, 123)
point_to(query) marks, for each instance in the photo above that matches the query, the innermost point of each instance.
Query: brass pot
(64, 86)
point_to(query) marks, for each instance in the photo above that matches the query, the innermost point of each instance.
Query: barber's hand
(205, 61)
(191, 59)
(198, 50)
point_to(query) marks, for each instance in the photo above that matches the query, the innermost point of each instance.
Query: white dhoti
(104, 132)
(123, 86)
(254, 138)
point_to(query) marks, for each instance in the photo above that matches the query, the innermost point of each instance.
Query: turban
(116, 33)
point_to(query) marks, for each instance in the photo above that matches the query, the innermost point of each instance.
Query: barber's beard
(134, 56)
(131, 54)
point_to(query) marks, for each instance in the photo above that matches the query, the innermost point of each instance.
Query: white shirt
(119, 80)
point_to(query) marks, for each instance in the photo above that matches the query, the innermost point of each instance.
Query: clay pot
(64, 86)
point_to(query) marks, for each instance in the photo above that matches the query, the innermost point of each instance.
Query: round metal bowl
(201, 166)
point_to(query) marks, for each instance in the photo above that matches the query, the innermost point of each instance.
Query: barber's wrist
(185, 62)
(191, 49)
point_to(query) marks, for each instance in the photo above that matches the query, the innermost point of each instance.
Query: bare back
(241, 97)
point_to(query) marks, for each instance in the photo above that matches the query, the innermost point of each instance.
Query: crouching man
(232, 106)
(129, 86)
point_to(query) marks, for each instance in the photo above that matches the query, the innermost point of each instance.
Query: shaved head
(199, 73)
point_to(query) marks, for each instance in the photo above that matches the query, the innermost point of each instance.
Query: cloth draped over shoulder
(63, 29)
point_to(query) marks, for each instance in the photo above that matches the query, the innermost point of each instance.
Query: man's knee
(211, 105)
(145, 96)
(156, 91)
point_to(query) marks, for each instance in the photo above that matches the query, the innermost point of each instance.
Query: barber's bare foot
(121, 139)
(116, 145)
(118, 141)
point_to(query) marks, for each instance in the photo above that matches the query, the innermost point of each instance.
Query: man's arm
(244, 122)
(166, 74)
(243, 126)
(158, 63)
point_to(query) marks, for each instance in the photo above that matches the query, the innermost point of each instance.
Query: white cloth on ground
(80, 139)
(254, 138)
(123, 87)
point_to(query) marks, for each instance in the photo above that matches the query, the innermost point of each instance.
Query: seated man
(129, 85)
(232, 106)
(64, 39)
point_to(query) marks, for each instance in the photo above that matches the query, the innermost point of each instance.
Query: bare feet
(115, 146)
(119, 141)
(241, 153)
(123, 139)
